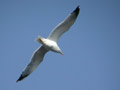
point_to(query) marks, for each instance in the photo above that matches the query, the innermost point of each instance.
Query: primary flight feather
(49, 44)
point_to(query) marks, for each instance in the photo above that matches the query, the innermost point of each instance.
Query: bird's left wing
(35, 61)
(64, 26)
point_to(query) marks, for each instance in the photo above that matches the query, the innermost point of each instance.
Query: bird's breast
(50, 45)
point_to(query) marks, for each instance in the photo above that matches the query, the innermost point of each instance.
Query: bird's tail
(38, 39)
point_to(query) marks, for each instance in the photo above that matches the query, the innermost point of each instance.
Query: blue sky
(91, 47)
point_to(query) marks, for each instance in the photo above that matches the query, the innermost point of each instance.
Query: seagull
(49, 44)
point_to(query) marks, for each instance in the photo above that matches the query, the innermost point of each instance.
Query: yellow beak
(62, 53)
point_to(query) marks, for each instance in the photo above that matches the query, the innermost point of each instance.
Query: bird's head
(61, 52)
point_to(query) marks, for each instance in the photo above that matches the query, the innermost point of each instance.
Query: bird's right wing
(35, 61)
(64, 25)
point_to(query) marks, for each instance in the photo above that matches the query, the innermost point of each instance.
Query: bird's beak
(62, 53)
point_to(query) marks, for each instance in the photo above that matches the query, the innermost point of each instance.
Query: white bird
(49, 44)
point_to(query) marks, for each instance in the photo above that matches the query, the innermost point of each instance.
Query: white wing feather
(64, 26)
(35, 61)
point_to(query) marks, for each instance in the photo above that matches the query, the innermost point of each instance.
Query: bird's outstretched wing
(35, 61)
(64, 25)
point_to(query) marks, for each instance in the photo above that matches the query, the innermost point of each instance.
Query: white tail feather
(38, 39)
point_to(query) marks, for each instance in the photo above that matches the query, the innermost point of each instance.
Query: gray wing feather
(35, 61)
(64, 25)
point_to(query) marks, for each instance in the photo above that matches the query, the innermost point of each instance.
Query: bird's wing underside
(35, 61)
(64, 25)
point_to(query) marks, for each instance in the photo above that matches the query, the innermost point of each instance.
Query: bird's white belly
(50, 45)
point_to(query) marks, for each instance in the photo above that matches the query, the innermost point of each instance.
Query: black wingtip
(78, 7)
(77, 10)
(21, 78)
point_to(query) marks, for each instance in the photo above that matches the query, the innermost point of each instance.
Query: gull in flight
(49, 44)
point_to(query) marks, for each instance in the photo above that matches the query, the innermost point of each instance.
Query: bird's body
(49, 44)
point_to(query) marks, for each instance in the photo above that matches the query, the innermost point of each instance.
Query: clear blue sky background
(91, 48)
